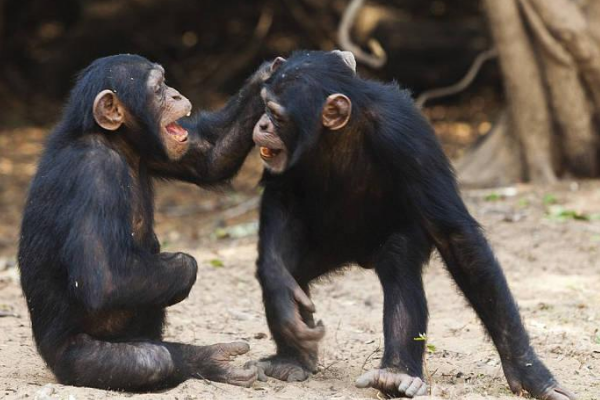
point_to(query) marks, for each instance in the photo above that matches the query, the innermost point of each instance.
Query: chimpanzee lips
(177, 132)
(267, 153)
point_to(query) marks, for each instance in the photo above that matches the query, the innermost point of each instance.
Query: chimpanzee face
(165, 106)
(172, 106)
(273, 150)
(296, 112)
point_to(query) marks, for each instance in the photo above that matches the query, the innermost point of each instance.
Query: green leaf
(215, 262)
(523, 203)
(236, 231)
(243, 230)
(559, 213)
(422, 337)
(493, 197)
(549, 199)
(221, 233)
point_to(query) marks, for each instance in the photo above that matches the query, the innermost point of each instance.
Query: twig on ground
(377, 350)
(336, 332)
(330, 365)
(211, 383)
(8, 314)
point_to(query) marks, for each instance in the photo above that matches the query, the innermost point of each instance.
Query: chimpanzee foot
(214, 363)
(282, 368)
(392, 382)
(529, 374)
(556, 392)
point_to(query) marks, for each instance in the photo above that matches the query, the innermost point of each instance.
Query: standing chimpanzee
(355, 174)
(92, 272)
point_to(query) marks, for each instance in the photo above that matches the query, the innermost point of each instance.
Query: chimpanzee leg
(146, 365)
(118, 366)
(399, 267)
(476, 271)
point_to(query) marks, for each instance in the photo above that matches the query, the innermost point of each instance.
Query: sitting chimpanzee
(355, 174)
(95, 281)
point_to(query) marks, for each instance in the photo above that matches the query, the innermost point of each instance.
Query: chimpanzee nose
(177, 97)
(263, 125)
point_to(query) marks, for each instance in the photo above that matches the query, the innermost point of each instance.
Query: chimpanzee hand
(291, 317)
(186, 268)
(393, 382)
(296, 323)
(213, 363)
(266, 69)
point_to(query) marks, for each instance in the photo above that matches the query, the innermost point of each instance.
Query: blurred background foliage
(209, 47)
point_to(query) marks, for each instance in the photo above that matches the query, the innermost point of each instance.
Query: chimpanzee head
(308, 95)
(127, 95)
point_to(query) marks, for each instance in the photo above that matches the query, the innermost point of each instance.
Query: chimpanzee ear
(277, 63)
(348, 58)
(336, 111)
(108, 110)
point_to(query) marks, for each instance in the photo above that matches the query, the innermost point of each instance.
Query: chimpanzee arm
(220, 140)
(284, 282)
(106, 268)
(408, 146)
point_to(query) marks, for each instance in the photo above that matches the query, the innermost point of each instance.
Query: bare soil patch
(551, 256)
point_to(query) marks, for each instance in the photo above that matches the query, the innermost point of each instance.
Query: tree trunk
(591, 10)
(572, 110)
(524, 89)
(495, 161)
(549, 54)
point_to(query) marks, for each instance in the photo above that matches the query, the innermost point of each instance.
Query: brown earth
(547, 239)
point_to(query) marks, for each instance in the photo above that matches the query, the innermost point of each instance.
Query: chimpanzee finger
(559, 393)
(230, 350)
(242, 376)
(405, 382)
(304, 300)
(303, 332)
(416, 385)
(260, 367)
(367, 379)
(282, 369)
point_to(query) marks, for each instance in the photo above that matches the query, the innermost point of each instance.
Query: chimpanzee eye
(276, 119)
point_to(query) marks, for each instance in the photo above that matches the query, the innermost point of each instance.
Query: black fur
(95, 281)
(379, 193)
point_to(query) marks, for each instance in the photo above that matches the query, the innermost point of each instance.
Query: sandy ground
(552, 261)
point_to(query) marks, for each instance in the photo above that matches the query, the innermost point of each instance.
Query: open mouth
(177, 132)
(267, 153)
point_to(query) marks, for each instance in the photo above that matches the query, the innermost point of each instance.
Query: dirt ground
(547, 239)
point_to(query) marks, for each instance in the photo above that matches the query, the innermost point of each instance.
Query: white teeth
(188, 114)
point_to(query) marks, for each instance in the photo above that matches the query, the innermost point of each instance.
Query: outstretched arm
(220, 140)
